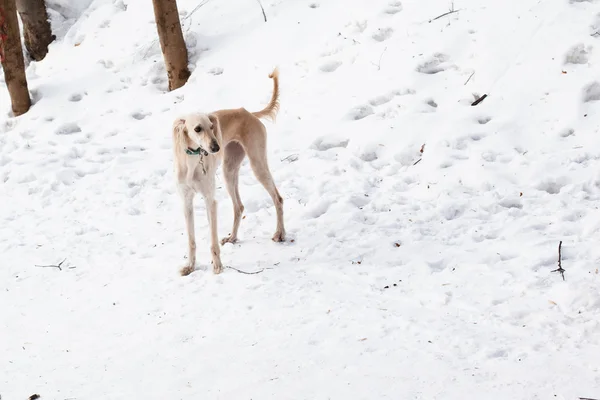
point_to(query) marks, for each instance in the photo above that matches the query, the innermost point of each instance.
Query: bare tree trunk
(171, 42)
(36, 27)
(11, 55)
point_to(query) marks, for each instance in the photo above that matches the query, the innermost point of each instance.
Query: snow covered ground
(422, 231)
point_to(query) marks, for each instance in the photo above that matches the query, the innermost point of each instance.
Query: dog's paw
(279, 236)
(188, 269)
(228, 239)
(217, 268)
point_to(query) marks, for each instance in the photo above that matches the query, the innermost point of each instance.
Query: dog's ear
(215, 121)
(179, 126)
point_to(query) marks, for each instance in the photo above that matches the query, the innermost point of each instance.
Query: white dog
(201, 142)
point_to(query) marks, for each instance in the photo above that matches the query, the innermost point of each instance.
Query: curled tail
(270, 111)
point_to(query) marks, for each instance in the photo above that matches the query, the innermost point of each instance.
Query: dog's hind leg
(232, 159)
(258, 161)
(188, 209)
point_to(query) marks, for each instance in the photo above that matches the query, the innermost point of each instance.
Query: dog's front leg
(215, 250)
(188, 209)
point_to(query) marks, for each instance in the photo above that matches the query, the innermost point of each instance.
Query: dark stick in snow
(263, 10)
(560, 268)
(59, 265)
(444, 14)
(479, 100)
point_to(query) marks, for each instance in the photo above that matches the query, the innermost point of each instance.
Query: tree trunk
(36, 27)
(171, 42)
(11, 55)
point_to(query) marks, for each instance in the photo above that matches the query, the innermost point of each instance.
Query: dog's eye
(198, 128)
(211, 127)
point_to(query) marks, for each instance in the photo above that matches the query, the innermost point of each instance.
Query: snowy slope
(406, 275)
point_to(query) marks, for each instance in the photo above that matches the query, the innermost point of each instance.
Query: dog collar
(198, 151)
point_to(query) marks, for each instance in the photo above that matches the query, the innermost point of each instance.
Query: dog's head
(198, 131)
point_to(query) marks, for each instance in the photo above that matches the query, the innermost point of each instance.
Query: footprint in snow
(437, 63)
(69, 128)
(330, 66)
(595, 27)
(393, 7)
(360, 112)
(216, 71)
(483, 120)
(382, 34)
(551, 185)
(75, 97)
(326, 143)
(591, 92)
(380, 100)
(578, 54)
(314, 5)
(140, 115)
(567, 132)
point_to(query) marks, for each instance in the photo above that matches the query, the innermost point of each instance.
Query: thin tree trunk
(171, 42)
(36, 27)
(11, 55)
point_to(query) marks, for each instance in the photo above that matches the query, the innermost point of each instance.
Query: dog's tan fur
(235, 133)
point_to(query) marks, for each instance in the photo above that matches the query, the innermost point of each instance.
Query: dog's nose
(214, 147)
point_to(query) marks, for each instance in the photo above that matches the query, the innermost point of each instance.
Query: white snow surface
(405, 274)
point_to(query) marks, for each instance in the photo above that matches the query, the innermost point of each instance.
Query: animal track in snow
(330, 66)
(567, 132)
(326, 143)
(437, 63)
(483, 120)
(360, 112)
(393, 7)
(382, 34)
(380, 100)
(75, 97)
(314, 5)
(68, 129)
(140, 115)
(578, 54)
(591, 92)
(216, 71)
(551, 185)
(432, 103)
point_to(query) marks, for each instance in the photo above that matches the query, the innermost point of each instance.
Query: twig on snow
(246, 272)
(586, 398)
(470, 76)
(59, 265)
(444, 14)
(378, 65)
(560, 269)
(416, 162)
(203, 2)
(479, 100)
(262, 9)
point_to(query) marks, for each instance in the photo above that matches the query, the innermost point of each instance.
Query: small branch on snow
(444, 14)
(378, 65)
(560, 268)
(479, 100)
(246, 272)
(416, 162)
(262, 9)
(59, 265)
(586, 398)
(470, 76)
